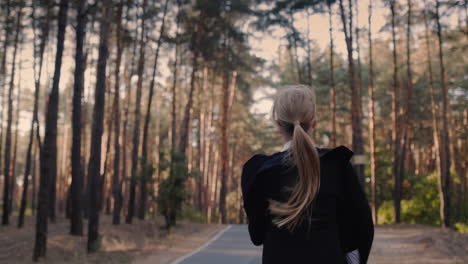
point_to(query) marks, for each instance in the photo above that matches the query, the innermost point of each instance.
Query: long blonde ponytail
(294, 112)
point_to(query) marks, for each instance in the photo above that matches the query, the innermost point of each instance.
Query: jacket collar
(287, 145)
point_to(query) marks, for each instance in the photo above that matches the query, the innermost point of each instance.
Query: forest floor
(120, 244)
(145, 242)
(418, 244)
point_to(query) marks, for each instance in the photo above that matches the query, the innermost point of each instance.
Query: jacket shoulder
(341, 153)
(250, 168)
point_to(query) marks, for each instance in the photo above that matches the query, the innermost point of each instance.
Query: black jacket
(341, 215)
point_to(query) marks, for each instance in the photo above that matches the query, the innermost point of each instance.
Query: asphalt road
(230, 246)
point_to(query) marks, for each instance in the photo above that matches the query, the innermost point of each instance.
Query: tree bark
(356, 125)
(309, 50)
(15, 145)
(126, 116)
(406, 123)
(395, 119)
(144, 190)
(76, 227)
(445, 161)
(228, 97)
(185, 126)
(49, 149)
(136, 127)
(372, 122)
(332, 77)
(7, 156)
(174, 90)
(35, 120)
(116, 182)
(435, 122)
(6, 43)
(95, 194)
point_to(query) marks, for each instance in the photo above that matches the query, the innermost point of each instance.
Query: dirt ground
(418, 244)
(144, 242)
(120, 244)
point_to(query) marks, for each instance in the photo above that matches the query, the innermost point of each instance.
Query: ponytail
(304, 156)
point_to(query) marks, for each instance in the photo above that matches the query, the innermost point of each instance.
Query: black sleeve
(255, 204)
(356, 226)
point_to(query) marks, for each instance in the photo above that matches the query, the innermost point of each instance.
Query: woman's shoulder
(260, 162)
(340, 152)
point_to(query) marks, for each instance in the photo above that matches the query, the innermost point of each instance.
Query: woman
(305, 203)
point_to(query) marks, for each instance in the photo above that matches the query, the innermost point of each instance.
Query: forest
(142, 112)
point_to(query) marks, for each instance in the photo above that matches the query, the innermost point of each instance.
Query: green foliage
(189, 212)
(386, 213)
(164, 163)
(172, 192)
(147, 170)
(232, 202)
(423, 207)
(195, 174)
(461, 227)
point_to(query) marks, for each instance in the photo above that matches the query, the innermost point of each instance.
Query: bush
(172, 192)
(422, 208)
(461, 227)
(190, 213)
(386, 214)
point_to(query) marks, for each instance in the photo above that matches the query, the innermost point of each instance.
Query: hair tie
(297, 122)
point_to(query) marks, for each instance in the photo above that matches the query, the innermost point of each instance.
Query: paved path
(393, 244)
(230, 246)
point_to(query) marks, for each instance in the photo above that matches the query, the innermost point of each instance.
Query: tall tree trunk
(3, 67)
(33, 178)
(35, 120)
(208, 145)
(445, 161)
(126, 117)
(116, 183)
(84, 124)
(105, 195)
(357, 141)
(395, 119)
(360, 168)
(309, 50)
(293, 42)
(185, 126)
(332, 77)
(174, 90)
(136, 127)
(406, 123)
(76, 227)
(372, 122)
(202, 131)
(7, 156)
(213, 182)
(94, 168)
(228, 96)
(144, 190)
(49, 149)
(15, 144)
(434, 113)
(6, 43)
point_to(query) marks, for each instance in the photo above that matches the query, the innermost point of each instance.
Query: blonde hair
(294, 112)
